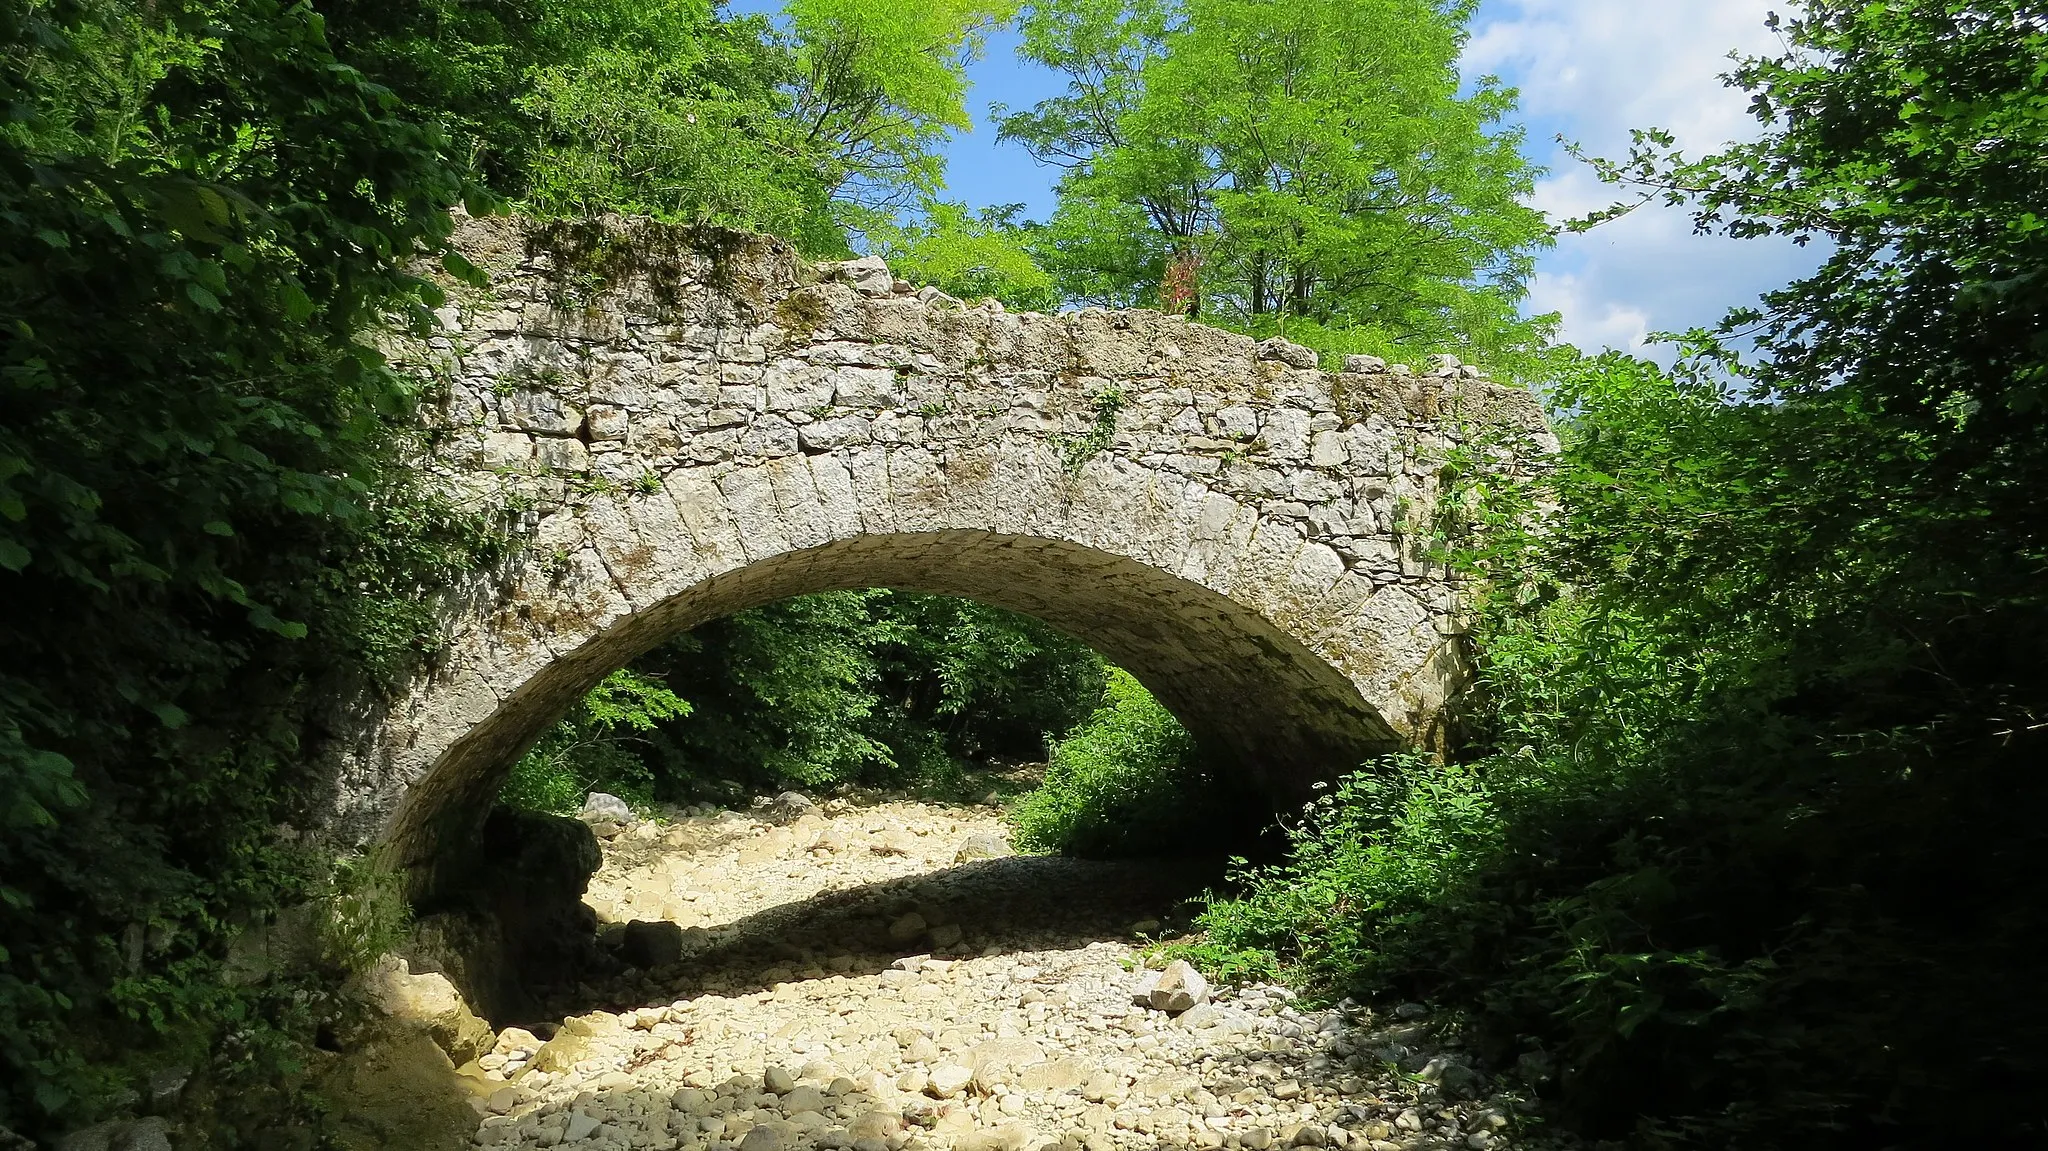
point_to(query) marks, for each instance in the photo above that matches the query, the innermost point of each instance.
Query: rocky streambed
(889, 977)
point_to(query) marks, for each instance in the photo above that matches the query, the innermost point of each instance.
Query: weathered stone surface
(651, 943)
(605, 813)
(982, 846)
(1178, 988)
(719, 427)
(428, 1001)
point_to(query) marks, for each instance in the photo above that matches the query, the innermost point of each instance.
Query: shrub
(1124, 783)
(1386, 844)
(594, 748)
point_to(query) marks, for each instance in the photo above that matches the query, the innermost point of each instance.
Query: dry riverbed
(888, 977)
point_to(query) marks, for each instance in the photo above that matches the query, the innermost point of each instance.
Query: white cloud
(1591, 70)
(1590, 322)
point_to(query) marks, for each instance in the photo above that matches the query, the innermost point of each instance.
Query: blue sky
(1589, 70)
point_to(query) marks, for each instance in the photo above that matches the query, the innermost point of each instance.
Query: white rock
(599, 807)
(948, 1080)
(1178, 988)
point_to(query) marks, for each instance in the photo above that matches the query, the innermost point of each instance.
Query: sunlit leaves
(1317, 165)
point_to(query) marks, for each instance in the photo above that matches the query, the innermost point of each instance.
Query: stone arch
(685, 426)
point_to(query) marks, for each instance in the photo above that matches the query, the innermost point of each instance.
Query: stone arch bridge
(685, 424)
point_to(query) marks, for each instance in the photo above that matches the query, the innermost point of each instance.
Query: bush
(594, 748)
(1125, 782)
(1725, 833)
(1387, 844)
(876, 687)
(211, 530)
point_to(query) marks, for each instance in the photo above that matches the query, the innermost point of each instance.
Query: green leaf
(298, 306)
(459, 266)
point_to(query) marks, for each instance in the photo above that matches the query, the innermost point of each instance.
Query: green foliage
(673, 109)
(869, 686)
(593, 747)
(1100, 435)
(1388, 844)
(1759, 744)
(366, 915)
(1126, 782)
(672, 112)
(972, 257)
(1316, 165)
(207, 531)
(880, 84)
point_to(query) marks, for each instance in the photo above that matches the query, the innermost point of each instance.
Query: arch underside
(1245, 688)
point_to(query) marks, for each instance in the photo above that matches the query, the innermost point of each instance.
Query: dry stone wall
(683, 424)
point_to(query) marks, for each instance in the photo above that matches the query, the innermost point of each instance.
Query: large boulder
(1174, 990)
(869, 275)
(430, 1002)
(605, 814)
(651, 943)
(518, 920)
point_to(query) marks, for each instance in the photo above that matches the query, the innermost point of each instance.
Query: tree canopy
(1312, 168)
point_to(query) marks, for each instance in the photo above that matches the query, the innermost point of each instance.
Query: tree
(569, 107)
(1763, 714)
(667, 110)
(207, 527)
(880, 84)
(1315, 161)
(971, 256)
(672, 108)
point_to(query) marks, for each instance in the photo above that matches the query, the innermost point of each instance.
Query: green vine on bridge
(1079, 450)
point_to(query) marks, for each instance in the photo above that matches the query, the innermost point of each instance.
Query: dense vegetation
(209, 534)
(1765, 701)
(1740, 845)
(871, 687)
(1311, 168)
(205, 527)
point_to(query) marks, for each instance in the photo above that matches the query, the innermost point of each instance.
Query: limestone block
(798, 389)
(1291, 354)
(838, 432)
(1237, 422)
(770, 435)
(427, 1001)
(796, 503)
(838, 506)
(558, 454)
(705, 514)
(864, 387)
(839, 352)
(1286, 434)
(869, 275)
(607, 422)
(544, 412)
(507, 449)
(758, 523)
